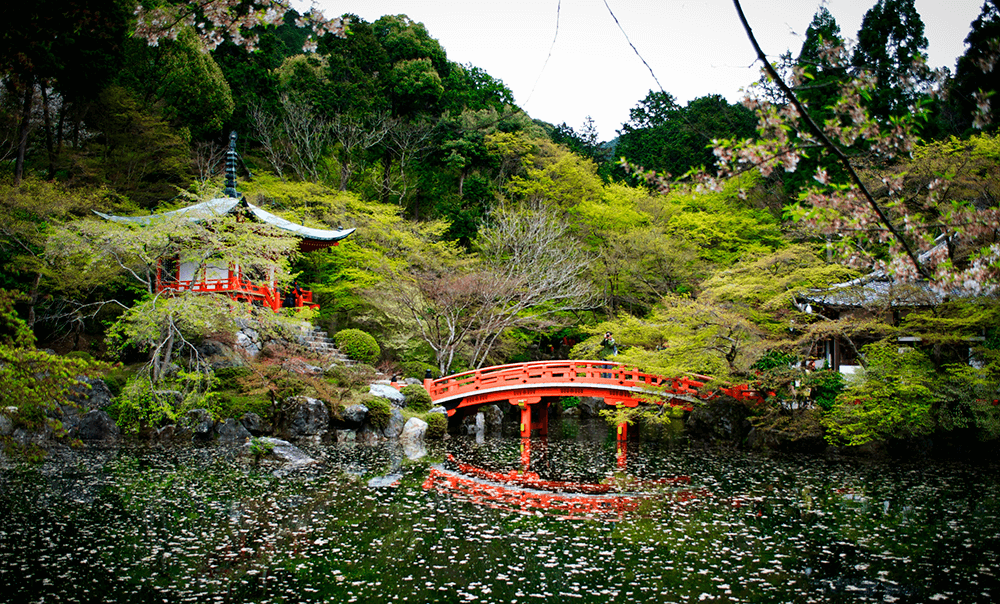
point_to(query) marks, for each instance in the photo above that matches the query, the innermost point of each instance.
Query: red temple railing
(243, 290)
(573, 377)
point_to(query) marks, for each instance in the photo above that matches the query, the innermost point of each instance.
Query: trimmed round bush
(437, 426)
(358, 346)
(417, 398)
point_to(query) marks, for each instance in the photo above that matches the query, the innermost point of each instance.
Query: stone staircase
(322, 344)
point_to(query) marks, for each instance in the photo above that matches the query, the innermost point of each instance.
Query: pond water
(571, 518)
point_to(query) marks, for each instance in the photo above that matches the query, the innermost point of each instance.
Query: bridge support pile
(532, 407)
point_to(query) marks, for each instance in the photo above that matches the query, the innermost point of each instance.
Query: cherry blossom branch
(825, 141)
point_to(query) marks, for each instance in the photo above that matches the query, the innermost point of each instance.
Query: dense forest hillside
(706, 237)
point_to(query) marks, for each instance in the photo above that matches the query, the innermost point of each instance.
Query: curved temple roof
(222, 206)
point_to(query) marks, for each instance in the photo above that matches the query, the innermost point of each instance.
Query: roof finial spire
(230, 190)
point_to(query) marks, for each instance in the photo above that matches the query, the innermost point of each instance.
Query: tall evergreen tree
(819, 63)
(975, 90)
(891, 47)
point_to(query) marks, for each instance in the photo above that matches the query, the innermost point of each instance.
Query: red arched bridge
(526, 384)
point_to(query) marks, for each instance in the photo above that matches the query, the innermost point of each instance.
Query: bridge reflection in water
(525, 490)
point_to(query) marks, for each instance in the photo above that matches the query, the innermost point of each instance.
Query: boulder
(395, 397)
(368, 435)
(590, 406)
(248, 340)
(721, 419)
(217, 355)
(396, 423)
(253, 423)
(280, 450)
(302, 416)
(94, 395)
(231, 431)
(354, 414)
(7, 426)
(165, 434)
(494, 419)
(346, 436)
(474, 424)
(413, 430)
(96, 425)
(201, 423)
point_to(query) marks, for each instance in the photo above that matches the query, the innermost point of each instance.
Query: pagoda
(183, 276)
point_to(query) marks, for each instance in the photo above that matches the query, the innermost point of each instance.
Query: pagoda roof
(222, 206)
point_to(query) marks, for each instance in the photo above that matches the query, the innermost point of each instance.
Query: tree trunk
(47, 120)
(33, 298)
(22, 132)
(386, 176)
(59, 127)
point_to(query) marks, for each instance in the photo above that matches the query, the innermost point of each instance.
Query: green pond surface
(571, 518)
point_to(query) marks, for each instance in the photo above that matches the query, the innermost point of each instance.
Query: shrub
(416, 369)
(358, 346)
(138, 406)
(350, 376)
(437, 426)
(379, 412)
(893, 400)
(568, 402)
(824, 387)
(417, 398)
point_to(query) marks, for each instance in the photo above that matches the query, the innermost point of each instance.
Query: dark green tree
(891, 47)
(71, 47)
(822, 71)
(975, 89)
(664, 137)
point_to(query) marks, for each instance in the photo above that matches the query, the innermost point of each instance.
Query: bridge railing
(580, 372)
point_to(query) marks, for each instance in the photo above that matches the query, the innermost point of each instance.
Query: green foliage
(259, 448)
(379, 412)
(184, 79)
(140, 154)
(416, 369)
(665, 137)
(358, 345)
(773, 359)
(350, 376)
(892, 47)
(893, 399)
(971, 395)
(766, 286)
(417, 398)
(652, 416)
(32, 380)
(680, 336)
(139, 406)
(437, 426)
(825, 386)
(972, 82)
(568, 402)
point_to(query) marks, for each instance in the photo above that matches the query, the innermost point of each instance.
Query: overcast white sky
(694, 47)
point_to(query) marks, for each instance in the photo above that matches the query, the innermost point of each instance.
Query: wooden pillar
(622, 432)
(527, 405)
(525, 421)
